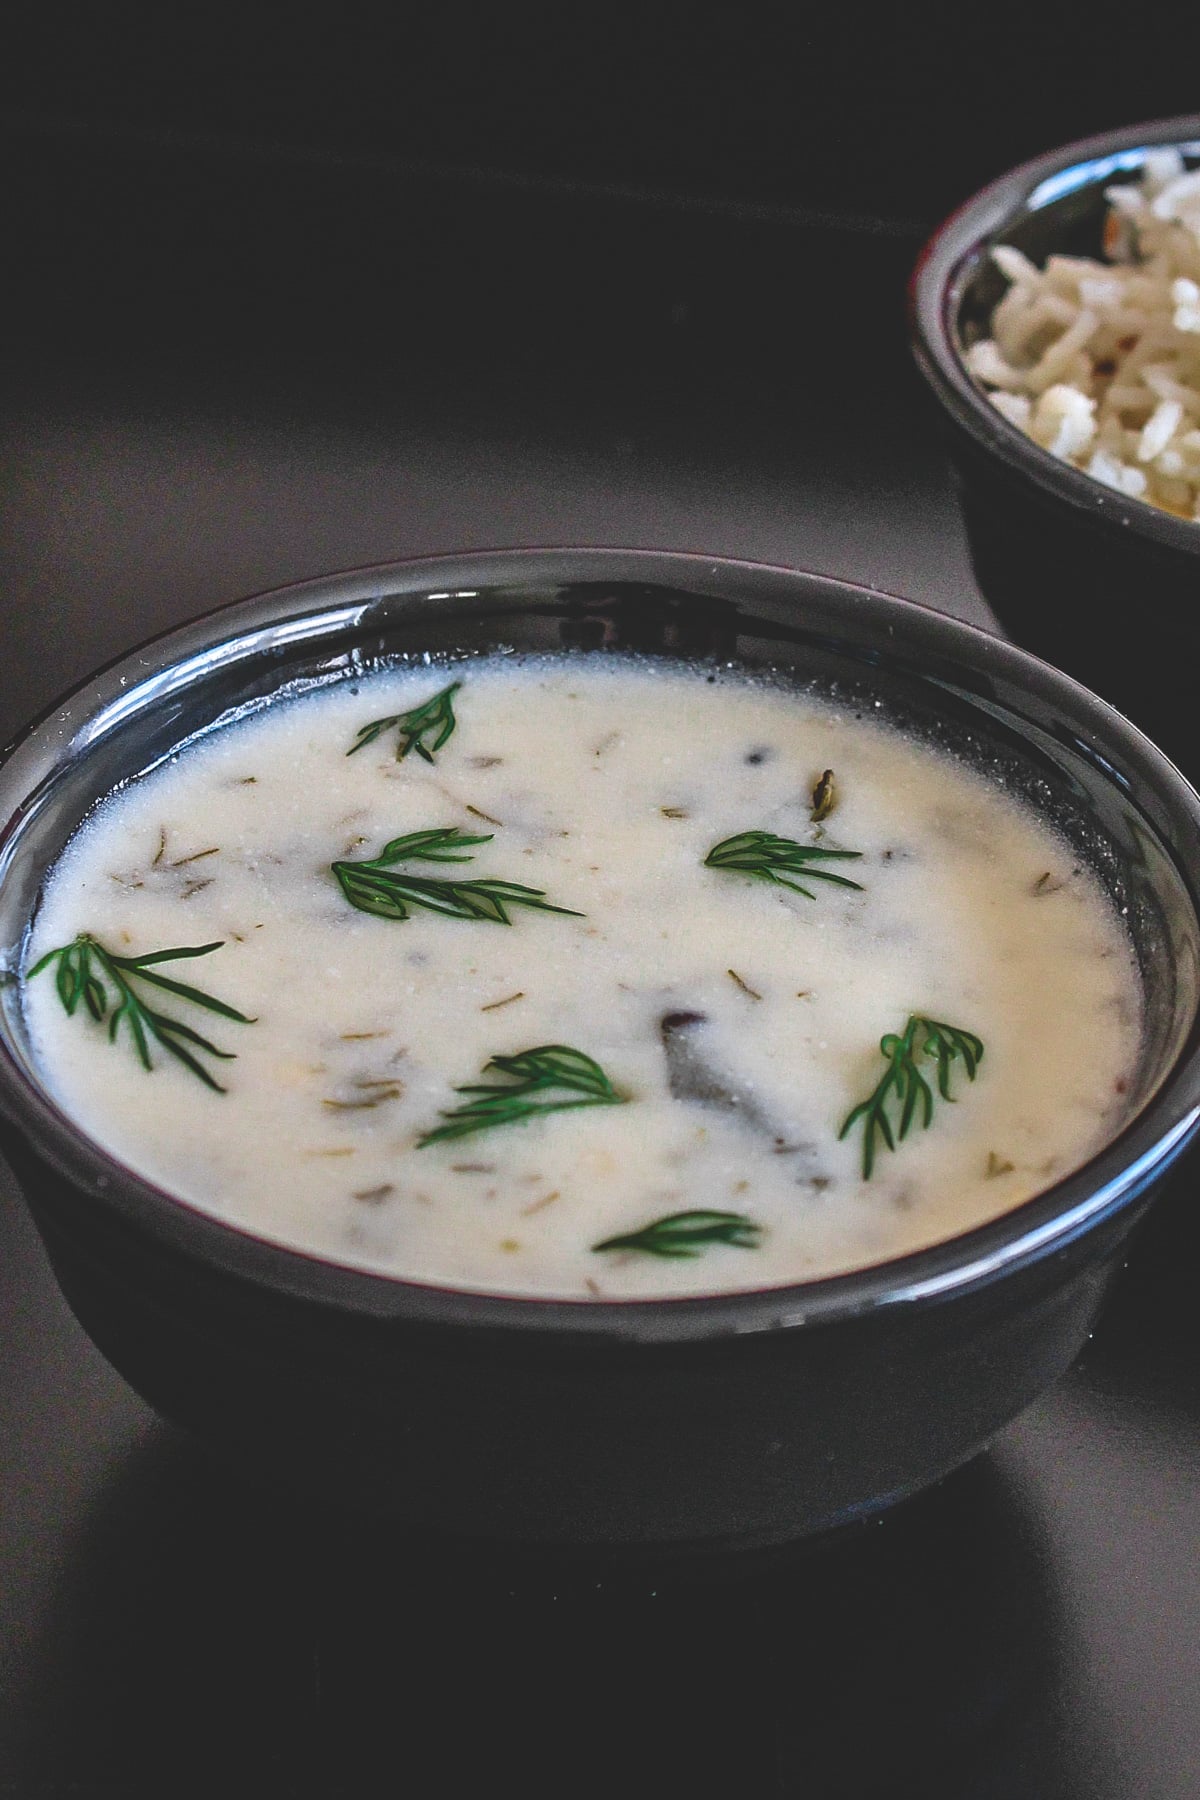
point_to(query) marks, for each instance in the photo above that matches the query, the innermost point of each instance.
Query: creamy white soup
(628, 1041)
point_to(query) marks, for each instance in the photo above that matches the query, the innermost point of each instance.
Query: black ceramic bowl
(1105, 586)
(744, 1419)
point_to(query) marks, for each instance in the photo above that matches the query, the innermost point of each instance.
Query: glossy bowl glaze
(745, 1419)
(1103, 585)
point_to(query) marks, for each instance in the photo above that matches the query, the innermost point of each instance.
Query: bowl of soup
(1055, 318)
(592, 1048)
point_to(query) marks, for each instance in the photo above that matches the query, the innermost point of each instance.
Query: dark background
(885, 114)
(286, 295)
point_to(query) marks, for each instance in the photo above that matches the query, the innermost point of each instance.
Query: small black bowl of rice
(1056, 319)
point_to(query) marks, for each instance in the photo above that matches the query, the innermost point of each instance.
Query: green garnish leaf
(86, 972)
(687, 1233)
(534, 1078)
(779, 859)
(376, 886)
(434, 718)
(903, 1086)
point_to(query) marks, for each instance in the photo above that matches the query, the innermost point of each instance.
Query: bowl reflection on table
(1099, 583)
(653, 1426)
(893, 1663)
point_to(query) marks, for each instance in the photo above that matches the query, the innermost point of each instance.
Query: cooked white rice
(1099, 362)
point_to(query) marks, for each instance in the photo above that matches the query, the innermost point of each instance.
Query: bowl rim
(935, 295)
(1044, 1224)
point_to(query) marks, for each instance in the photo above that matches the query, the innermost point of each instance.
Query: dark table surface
(229, 371)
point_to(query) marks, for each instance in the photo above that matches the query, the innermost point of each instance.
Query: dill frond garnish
(687, 1234)
(534, 1078)
(87, 972)
(434, 718)
(903, 1085)
(377, 886)
(779, 859)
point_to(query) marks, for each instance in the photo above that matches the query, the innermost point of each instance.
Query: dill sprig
(778, 859)
(377, 886)
(87, 971)
(904, 1086)
(433, 718)
(533, 1078)
(687, 1233)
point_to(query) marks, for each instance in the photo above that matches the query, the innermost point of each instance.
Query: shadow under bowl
(665, 1425)
(1096, 582)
